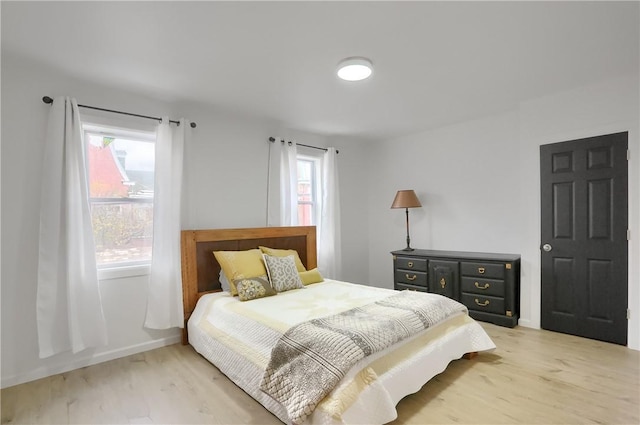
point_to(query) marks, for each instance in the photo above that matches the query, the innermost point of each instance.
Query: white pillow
(224, 282)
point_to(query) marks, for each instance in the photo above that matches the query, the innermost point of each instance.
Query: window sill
(123, 272)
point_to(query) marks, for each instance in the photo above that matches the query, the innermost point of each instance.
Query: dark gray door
(584, 237)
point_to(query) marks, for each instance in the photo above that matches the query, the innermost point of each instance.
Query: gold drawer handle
(410, 264)
(486, 286)
(443, 282)
(481, 270)
(411, 278)
(486, 303)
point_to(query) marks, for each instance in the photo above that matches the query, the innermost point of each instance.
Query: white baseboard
(526, 323)
(44, 371)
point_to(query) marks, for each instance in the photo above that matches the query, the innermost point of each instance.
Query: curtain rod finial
(48, 100)
(272, 139)
(193, 125)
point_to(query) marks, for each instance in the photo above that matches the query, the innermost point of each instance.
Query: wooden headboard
(200, 269)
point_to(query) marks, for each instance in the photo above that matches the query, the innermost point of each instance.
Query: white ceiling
(436, 63)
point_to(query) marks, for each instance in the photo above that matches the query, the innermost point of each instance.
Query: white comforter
(238, 337)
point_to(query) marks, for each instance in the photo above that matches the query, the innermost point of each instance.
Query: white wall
(226, 166)
(466, 179)
(479, 184)
(610, 107)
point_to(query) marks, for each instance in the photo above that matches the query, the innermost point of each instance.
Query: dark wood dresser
(488, 284)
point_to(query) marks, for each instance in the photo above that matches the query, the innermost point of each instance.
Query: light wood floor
(533, 377)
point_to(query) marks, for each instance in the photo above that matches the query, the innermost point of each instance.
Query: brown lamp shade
(406, 199)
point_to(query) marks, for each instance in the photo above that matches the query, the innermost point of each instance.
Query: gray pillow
(283, 273)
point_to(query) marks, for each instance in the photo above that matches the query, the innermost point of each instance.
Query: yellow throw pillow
(240, 265)
(284, 253)
(311, 276)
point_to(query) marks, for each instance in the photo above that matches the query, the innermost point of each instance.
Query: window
(121, 176)
(308, 190)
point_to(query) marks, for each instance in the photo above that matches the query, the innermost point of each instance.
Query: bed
(245, 339)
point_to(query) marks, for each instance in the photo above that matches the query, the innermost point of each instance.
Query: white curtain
(164, 299)
(282, 200)
(69, 309)
(329, 243)
(289, 184)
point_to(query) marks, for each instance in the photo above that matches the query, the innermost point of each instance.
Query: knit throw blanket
(312, 357)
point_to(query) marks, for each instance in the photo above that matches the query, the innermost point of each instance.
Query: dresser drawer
(489, 270)
(411, 277)
(482, 286)
(409, 263)
(402, 287)
(443, 278)
(485, 303)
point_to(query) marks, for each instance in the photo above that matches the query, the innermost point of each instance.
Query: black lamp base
(408, 248)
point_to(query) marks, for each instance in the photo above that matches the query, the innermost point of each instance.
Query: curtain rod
(48, 100)
(272, 139)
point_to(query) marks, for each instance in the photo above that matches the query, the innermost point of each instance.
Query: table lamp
(406, 199)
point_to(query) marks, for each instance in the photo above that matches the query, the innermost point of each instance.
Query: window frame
(122, 129)
(316, 183)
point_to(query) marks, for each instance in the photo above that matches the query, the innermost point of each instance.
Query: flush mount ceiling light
(355, 69)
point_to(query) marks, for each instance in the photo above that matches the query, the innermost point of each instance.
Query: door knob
(546, 247)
